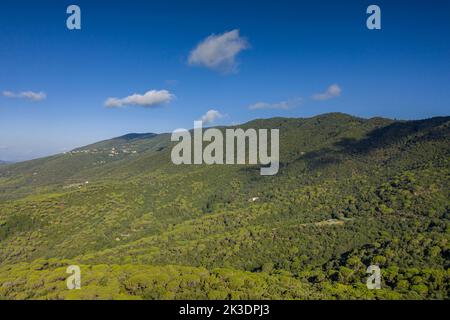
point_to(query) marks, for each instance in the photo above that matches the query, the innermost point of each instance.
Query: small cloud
(278, 105)
(171, 82)
(218, 52)
(149, 99)
(333, 91)
(211, 116)
(29, 95)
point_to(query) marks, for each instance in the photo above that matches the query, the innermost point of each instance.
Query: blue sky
(243, 59)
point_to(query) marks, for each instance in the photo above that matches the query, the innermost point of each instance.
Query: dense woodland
(350, 193)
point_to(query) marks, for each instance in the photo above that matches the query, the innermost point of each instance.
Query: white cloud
(30, 95)
(218, 52)
(149, 99)
(278, 105)
(332, 91)
(211, 116)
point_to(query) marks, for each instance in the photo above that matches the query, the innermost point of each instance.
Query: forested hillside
(350, 193)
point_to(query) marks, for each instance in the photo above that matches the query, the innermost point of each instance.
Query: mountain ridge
(330, 115)
(333, 131)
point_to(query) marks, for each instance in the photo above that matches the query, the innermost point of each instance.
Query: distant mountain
(4, 162)
(350, 193)
(125, 141)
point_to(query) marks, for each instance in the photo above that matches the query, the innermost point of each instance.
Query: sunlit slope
(350, 192)
(133, 153)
